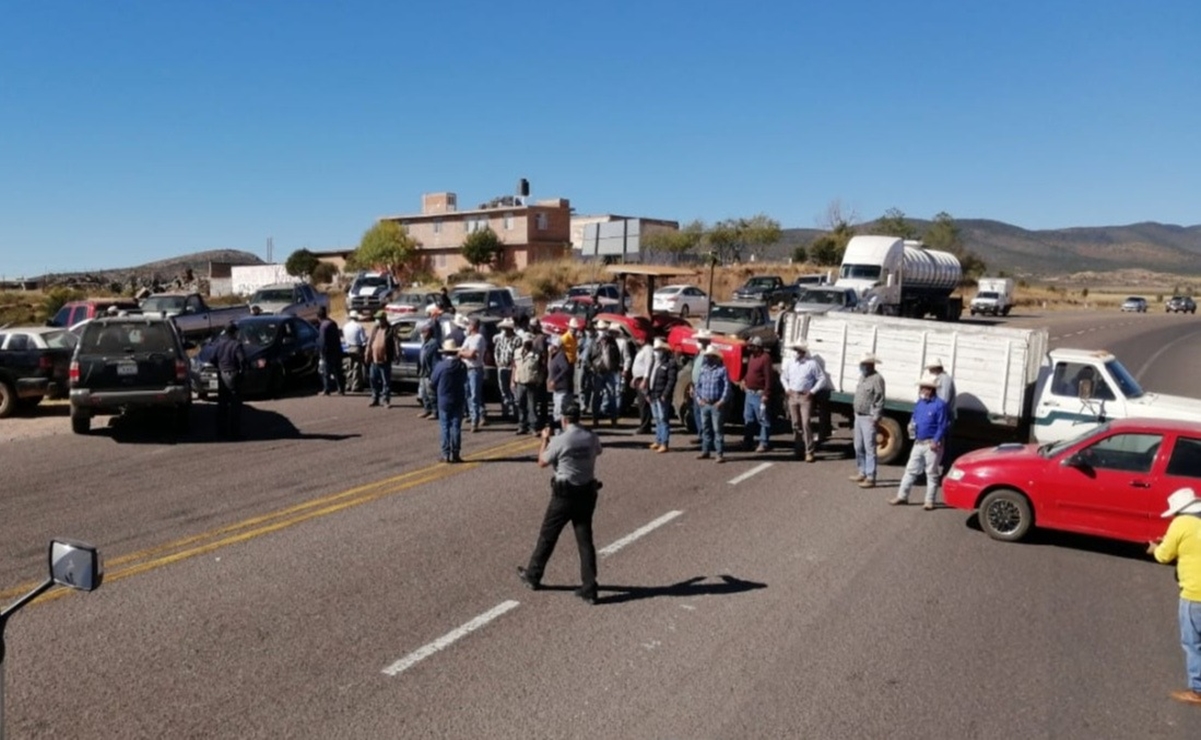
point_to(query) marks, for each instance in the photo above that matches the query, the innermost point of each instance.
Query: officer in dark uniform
(573, 499)
(231, 364)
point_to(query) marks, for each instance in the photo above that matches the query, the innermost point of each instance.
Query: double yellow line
(132, 564)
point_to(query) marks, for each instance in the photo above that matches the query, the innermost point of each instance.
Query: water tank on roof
(929, 270)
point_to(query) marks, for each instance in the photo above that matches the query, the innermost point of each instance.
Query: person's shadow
(687, 588)
(257, 424)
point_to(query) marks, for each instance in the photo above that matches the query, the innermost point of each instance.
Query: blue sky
(135, 131)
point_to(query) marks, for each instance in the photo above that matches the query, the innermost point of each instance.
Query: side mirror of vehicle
(75, 565)
(1084, 389)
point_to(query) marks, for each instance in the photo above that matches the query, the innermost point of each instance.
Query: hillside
(159, 272)
(1151, 246)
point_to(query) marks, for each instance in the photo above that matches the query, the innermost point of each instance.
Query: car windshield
(260, 333)
(740, 314)
(1133, 299)
(828, 297)
(1054, 448)
(760, 282)
(163, 303)
(986, 294)
(582, 290)
(101, 338)
(372, 281)
(1126, 382)
(860, 272)
(59, 339)
(280, 295)
(460, 297)
(668, 291)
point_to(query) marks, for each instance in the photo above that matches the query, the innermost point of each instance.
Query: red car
(1112, 481)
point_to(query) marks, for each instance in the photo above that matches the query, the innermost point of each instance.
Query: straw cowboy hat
(660, 343)
(703, 335)
(928, 382)
(800, 344)
(575, 324)
(602, 325)
(461, 320)
(506, 324)
(935, 363)
(1183, 501)
(450, 347)
(869, 359)
(712, 351)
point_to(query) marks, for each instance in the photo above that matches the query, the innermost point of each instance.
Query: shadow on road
(257, 424)
(690, 587)
(1072, 541)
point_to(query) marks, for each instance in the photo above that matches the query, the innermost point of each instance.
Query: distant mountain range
(1150, 246)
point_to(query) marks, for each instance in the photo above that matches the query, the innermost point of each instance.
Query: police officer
(231, 363)
(573, 499)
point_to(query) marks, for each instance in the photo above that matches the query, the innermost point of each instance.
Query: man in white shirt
(473, 354)
(800, 375)
(355, 339)
(639, 373)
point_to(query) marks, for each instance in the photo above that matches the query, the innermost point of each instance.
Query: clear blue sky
(135, 131)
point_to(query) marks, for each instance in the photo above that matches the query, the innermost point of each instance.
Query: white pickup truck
(1009, 384)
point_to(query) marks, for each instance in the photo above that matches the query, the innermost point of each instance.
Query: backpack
(607, 357)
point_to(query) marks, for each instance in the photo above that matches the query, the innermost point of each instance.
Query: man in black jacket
(231, 364)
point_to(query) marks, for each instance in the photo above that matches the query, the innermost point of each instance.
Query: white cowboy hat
(602, 325)
(800, 344)
(869, 359)
(936, 362)
(660, 343)
(1183, 501)
(555, 341)
(928, 382)
(506, 324)
(712, 351)
(449, 346)
(574, 324)
(461, 320)
(703, 334)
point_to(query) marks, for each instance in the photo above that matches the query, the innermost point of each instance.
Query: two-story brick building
(531, 232)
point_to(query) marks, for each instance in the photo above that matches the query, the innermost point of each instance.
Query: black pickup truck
(130, 363)
(771, 289)
(33, 365)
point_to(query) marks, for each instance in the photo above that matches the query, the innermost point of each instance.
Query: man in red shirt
(757, 384)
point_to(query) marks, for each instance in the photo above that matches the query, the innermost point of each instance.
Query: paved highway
(327, 579)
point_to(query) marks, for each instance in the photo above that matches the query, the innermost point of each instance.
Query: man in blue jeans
(1182, 544)
(712, 392)
(868, 406)
(450, 385)
(472, 353)
(758, 384)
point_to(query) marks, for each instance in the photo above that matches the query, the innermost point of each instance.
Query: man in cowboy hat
(475, 346)
(607, 364)
(703, 338)
(660, 389)
(505, 345)
(355, 339)
(1182, 544)
(800, 376)
(640, 372)
(931, 421)
(868, 406)
(712, 393)
(379, 354)
(946, 384)
(528, 381)
(583, 365)
(450, 383)
(427, 360)
(757, 383)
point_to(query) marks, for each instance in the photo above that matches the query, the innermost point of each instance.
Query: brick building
(531, 232)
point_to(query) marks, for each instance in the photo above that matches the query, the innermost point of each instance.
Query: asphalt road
(328, 579)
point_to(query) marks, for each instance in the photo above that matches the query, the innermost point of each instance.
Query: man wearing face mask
(800, 376)
(868, 406)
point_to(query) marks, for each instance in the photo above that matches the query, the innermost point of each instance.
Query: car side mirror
(75, 565)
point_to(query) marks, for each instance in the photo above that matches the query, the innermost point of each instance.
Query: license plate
(212, 384)
(127, 368)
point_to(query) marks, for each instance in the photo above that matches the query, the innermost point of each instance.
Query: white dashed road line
(610, 549)
(448, 639)
(753, 471)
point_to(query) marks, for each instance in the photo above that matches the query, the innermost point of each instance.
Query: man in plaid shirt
(504, 346)
(712, 393)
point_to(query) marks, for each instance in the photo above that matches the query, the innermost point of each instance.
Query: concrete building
(614, 238)
(531, 232)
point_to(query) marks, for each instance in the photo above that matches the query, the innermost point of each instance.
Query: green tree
(324, 273)
(894, 223)
(730, 238)
(301, 263)
(944, 234)
(482, 247)
(826, 250)
(675, 242)
(385, 246)
(799, 254)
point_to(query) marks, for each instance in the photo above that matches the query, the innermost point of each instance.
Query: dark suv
(128, 363)
(1181, 304)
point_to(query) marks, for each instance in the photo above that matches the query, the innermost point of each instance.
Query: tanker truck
(895, 277)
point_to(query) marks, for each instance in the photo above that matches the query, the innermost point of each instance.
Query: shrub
(57, 297)
(324, 273)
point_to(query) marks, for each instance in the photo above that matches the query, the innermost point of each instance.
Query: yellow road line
(287, 517)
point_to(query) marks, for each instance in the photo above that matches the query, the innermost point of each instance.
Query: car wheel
(278, 381)
(1005, 515)
(1005, 311)
(181, 419)
(8, 400)
(684, 311)
(889, 440)
(80, 422)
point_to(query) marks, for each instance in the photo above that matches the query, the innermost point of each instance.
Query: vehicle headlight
(955, 473)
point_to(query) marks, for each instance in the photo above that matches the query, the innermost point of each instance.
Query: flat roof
(654, 270)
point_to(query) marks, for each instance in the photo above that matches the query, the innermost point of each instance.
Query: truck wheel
(80, 422)
(890, 440)
(27, 405)
(684, 311)
(8, 400)
(1005, 515)
(1005, 311)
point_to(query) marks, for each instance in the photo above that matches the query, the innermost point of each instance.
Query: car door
(1182, 470)
(1107, 486)
(1061, 411)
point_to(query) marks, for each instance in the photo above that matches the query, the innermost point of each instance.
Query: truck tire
(890, 440)
(1005, 311)
(8, 399)
(80, 422)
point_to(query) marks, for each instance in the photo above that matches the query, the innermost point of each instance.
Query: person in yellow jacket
(569, 343)
(1182, 544)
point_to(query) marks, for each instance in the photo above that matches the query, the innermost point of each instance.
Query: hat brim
(1192, 507)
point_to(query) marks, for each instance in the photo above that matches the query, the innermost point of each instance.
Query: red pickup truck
(73, 312)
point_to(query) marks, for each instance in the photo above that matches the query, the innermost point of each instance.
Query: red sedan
(1113, 481)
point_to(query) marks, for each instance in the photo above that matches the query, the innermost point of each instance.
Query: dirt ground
(49, 418)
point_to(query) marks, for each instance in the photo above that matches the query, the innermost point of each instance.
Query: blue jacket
(450, 383)
(931, 419)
